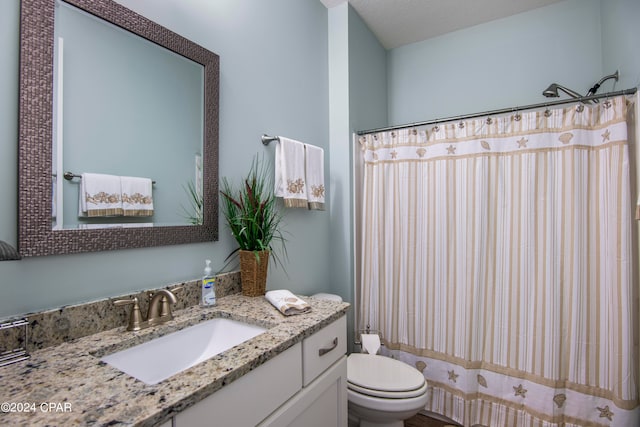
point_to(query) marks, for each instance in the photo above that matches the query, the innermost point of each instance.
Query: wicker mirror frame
(35, 234)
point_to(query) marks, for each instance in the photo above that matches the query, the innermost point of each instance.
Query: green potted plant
(194, 213)
(254, 219)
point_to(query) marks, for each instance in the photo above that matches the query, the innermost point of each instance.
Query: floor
(424, 421)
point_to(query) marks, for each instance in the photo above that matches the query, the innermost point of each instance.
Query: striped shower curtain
(497, 257)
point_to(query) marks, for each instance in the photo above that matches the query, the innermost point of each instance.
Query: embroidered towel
(289, 170)
(137, 196)
(99, 195)
(287, 302)
(314, 172)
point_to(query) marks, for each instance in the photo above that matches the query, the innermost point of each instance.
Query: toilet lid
(383, 376)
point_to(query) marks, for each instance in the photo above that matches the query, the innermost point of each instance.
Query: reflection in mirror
(122, 106)
(131, 99)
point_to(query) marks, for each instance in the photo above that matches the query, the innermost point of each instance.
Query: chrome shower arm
(596, 86)
(569, 92)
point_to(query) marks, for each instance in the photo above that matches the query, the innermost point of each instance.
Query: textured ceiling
(399, 22)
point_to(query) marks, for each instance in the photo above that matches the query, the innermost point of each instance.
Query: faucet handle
(135, 318)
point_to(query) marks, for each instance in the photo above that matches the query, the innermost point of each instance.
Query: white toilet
(382, 392)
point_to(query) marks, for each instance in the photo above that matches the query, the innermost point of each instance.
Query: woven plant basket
(253, 272)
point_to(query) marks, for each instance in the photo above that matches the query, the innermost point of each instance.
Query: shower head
(552, 91)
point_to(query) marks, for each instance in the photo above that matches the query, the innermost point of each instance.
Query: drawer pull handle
(324, 351)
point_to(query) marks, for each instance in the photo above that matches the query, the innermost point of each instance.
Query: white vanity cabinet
(322, 401)
(304, 386)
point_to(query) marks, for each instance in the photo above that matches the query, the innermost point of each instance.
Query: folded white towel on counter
(99, 195)
(287, 302)
(137, 196)
(314, 173)
(289, 170)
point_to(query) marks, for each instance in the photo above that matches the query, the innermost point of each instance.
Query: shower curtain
(497, 257)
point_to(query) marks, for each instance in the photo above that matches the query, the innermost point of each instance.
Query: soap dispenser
(208, 286)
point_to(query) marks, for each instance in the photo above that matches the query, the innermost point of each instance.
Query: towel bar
(70, 175)
(266, 139)
(18, 354)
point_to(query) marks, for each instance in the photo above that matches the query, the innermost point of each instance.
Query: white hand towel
(137, 196)
(287, 302)
(314, 171)
(99, 195)
(289, 170)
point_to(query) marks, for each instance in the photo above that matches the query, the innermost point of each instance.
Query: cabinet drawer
(323, 348)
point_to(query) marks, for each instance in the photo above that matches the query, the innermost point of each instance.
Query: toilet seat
(383, 377)
(388, 395)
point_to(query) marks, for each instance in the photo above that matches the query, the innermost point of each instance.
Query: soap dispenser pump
(208, 286)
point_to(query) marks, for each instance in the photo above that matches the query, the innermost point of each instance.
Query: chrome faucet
(159, 309)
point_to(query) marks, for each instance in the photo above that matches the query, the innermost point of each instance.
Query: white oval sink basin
(163, 357)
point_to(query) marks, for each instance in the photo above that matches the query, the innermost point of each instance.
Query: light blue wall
(621, 40)
(340, 136)
(503, 63)
(367, 76)
(273, 79)
(357, 97)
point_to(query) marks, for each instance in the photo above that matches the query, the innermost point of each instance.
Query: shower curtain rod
(501, 111)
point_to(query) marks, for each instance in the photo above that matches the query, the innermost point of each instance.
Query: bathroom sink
(163, 357)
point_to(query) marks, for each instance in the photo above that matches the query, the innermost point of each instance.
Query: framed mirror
(38, 119)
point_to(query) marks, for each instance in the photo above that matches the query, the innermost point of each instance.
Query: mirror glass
(127, 107)
(105, 90)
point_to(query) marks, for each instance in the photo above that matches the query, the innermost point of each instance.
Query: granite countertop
(68, 385)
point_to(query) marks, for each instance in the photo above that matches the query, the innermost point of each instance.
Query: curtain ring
(436, 128)
(461, 124)
(517, 115)
(547, 112)
(580, 108)
(607, 103)
(489, 120)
